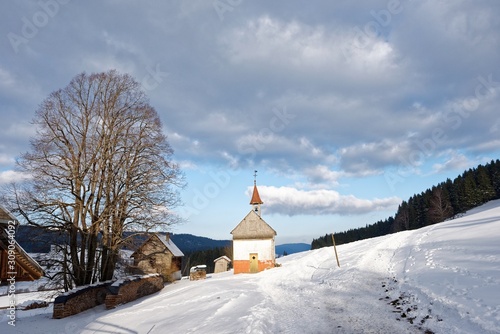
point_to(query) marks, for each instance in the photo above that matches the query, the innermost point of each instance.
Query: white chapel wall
(265, 249)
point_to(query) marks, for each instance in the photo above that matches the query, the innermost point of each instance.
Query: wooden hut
(221, 264)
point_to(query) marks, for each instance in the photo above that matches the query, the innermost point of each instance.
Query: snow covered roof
(198, 267)
(170, 245)
(166, 241)
(222, 258)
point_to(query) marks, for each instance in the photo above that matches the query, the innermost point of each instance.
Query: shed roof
(223, 257)
(253, 227)
(169, 244)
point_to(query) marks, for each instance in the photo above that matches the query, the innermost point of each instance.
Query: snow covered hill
(443, 278)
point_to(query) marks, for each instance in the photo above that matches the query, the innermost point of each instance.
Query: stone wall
(197, 275)
(79, 300)
(130, 289)
(109, 293)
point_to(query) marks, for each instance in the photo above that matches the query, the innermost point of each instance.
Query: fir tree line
(448, 199)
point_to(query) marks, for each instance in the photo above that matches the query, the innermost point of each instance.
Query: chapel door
(254, 263)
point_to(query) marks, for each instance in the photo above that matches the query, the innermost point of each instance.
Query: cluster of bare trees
(100, 165)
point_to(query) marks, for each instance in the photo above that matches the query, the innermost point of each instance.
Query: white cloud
(454, 161)
(21, 129)
(370, 158)
(12, 176)
(187, 165)
(291, 201)
(12, 85)
(6, 78)
(6, 159)
(321, 176)
(302, 48)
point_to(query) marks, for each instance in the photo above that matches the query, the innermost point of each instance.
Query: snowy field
(443, 278)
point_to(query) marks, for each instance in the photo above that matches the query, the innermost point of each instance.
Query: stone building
(253, 240)
(159, 254)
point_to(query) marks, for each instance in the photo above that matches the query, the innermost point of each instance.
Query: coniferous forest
(448, 199)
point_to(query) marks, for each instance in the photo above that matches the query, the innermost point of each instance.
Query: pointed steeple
(255, 196)
(256, 201)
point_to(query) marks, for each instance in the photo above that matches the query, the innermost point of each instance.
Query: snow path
(443, 278)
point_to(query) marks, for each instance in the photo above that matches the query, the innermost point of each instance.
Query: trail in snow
(443, 278)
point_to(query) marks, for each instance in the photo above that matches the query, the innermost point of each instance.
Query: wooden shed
(25, 268)
(158, 254)
(221, 264)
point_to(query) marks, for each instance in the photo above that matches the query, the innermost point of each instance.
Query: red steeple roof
(255, 196)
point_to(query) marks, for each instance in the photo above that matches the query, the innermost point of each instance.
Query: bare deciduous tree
(440, 206)
(100, 166)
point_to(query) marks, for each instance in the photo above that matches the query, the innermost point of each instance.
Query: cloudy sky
(344, 108)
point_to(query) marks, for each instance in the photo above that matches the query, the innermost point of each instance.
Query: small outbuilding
(158, 254)
(221, 264)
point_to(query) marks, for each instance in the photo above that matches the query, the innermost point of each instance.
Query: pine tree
(485, 190)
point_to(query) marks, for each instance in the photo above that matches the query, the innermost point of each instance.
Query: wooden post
(335, 248)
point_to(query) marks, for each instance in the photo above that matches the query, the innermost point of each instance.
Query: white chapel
(253, 240)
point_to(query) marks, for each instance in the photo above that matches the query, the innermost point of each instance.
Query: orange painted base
(242, 266)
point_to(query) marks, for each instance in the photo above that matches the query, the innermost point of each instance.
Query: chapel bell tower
(256, 201)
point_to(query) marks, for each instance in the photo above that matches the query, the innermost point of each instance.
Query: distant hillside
(449, 199)
(37, 240)
(189, 243)
(287, 249)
